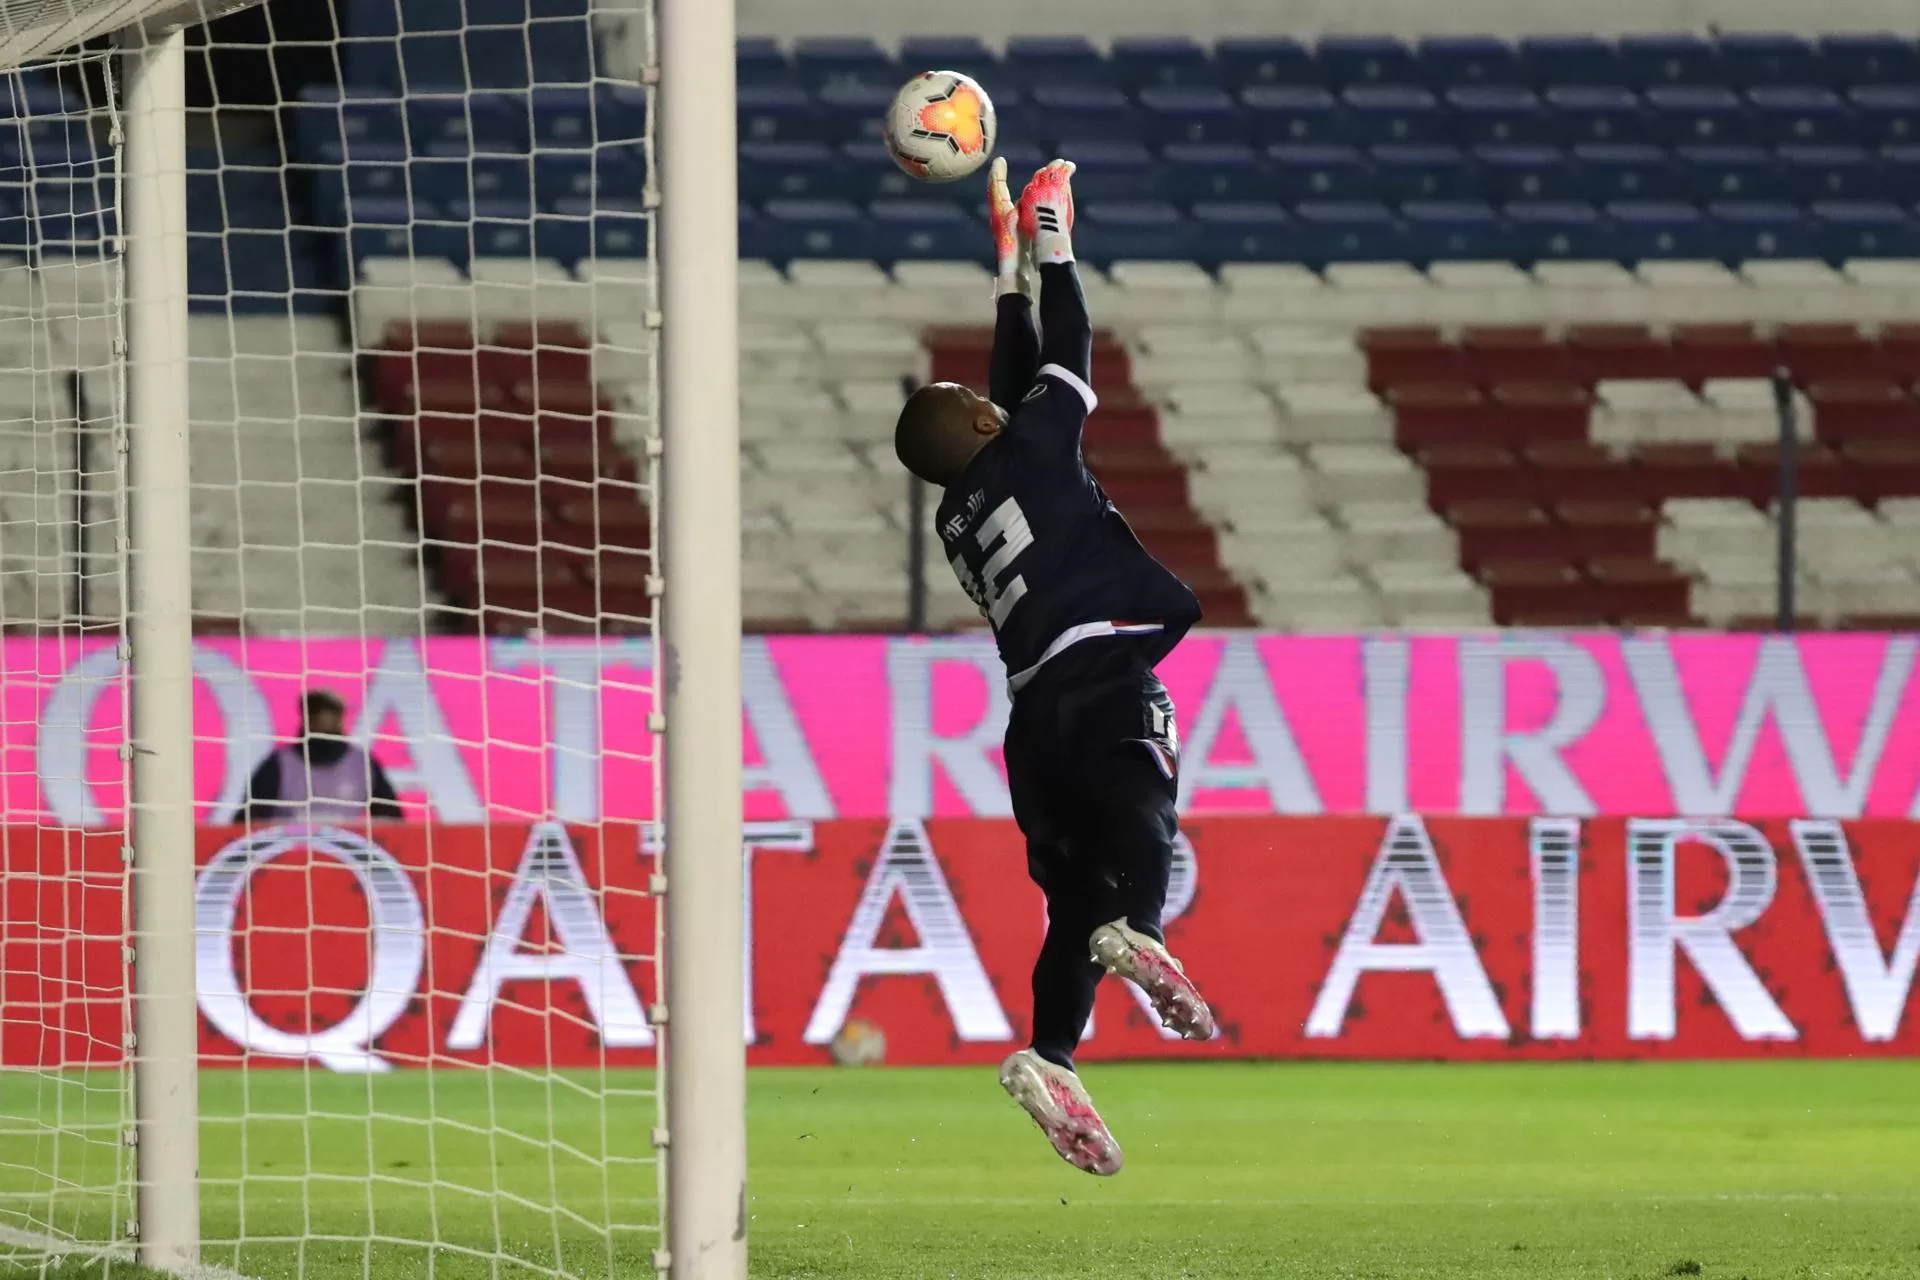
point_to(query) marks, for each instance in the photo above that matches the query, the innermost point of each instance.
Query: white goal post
(237, 434)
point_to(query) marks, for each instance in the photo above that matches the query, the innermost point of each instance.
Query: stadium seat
(1505, 115)
(1759, 58)
(1265, 60)
(1293, 113)
(1366, 60)
(1651, 61)
(1391, 113)
(1405, 172)
(1115, 171)
(1035, 61)
(1869, 59)
(1141, 63)
(1190, 113)
(1448, 61)
(842, 60)
(1212, 171)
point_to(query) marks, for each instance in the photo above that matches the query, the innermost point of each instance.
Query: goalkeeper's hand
(1046, 213)
(1013, 260)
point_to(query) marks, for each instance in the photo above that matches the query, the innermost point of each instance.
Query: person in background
(321, 777)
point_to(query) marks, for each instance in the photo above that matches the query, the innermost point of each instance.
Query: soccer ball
(859, 1044)
(940, 127)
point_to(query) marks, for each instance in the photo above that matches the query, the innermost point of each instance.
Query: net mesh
(422, 446)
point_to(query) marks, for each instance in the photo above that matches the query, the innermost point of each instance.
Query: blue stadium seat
(1864, 229)
(1856, 61)
(456, 121)
(1751, 229)
(563, 117)
(1137, 229)
(1677, 59)
(1655, 229)
(1898, 174)
(511, 178)
(1730, 173)
(1627, 171)
(1346, 231)
(1569, 60)
(620, 112)
(1448, 61)
(1297, 172)
(1498, 114)
(792, 170)
(1293, 113)
(1830, 173)
(1595, 114)
(825, 60)
(1403, 173)
(1508, 174)
(791, 229)
(1557, 230)
(578, 229)
(1800, 114)
(559, 175)
(966, 54)
(501, 228)
(74, 212)
(432, 180)
(1888, 115)
(33, 93)
(1034, 61)
(1140, 63)
(1190, 113)
(1243, 231)
(1246, 61)
(783, 113)
(1193, 172)
(1085, 113)
(329, 121)
(500, 59)
(1395, 114)
(759, 60)
(64, 144)
(1698, 115)
(1110, 171)
(1753, 58)
(1347, 61)
(380, 226)
(911, 229)
(1452, 230)
(376, 172)
(850, 109)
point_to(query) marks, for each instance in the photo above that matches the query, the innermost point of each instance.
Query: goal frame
(701, 1062)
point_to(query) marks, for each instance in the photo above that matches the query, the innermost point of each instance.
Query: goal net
(422, 436)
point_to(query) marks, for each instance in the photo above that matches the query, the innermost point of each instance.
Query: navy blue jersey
(1042, 550)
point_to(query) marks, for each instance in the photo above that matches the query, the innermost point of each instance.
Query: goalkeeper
(1082, 614)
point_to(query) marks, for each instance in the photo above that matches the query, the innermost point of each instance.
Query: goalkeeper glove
(1046, 213)
(1013, 261)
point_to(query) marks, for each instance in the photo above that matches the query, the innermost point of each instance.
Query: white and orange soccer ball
(940, 127)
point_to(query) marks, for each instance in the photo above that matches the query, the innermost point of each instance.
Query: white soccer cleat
(1059, 1104)
(1146, 964)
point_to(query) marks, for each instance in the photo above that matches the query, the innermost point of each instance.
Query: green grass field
(1769, 1171)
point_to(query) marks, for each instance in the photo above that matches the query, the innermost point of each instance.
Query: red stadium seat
(1598, 530)
(1883, 468)
(1499, 530)
(1510, 353)
(1539, 588)
(1530, 411)
(1639, 585)
(1597, 352)
(1688, 471)
(1822, 474)
(1458, 473)
(1856, 408)
(1704, 351)
(1826, 352)
(1409, 357)
(1439, 413)
(1579, 469)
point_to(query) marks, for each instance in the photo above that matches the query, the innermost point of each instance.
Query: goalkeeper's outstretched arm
(1016, 342)
(1046, 215)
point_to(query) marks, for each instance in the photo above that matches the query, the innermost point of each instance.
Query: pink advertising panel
(855, 727)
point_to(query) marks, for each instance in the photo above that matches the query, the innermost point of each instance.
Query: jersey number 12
(1007, 525)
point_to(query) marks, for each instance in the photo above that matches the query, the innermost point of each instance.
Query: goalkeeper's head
(941, 427)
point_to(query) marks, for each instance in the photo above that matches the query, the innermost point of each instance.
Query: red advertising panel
(1313, 937)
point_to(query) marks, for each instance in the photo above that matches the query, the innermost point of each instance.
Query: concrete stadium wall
(997, 19)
